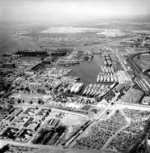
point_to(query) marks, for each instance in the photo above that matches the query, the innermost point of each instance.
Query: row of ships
(107, 59)
(107, 69)
(97, 89)
(75, 88)
(91, 89)
(107, 75)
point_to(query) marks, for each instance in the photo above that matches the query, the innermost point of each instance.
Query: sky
(70, 10)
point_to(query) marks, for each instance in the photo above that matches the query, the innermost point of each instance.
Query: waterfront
(44, 95)
(88, 70)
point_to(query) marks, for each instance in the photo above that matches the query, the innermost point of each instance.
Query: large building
(9, 65)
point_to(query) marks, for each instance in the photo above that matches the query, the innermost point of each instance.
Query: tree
(31, 102)
(19, 100)
(40, 101)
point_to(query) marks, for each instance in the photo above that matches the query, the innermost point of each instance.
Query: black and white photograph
(74, 76)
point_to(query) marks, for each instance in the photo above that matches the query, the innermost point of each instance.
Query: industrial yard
(48, 104)
(76, 89)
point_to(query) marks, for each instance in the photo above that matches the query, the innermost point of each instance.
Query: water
(65, 30)
(9, 42)
(88, 70)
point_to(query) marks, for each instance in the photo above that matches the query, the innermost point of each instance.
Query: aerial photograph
(74, 76)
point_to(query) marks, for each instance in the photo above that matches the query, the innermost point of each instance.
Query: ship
(100, 90)
(106, 69)
(96, 90)
(105, 62)
(101, 78)
(106, 89)
(115, 78)
(92, 89)
(78, 88)
(102, 68)
(112, 85)
(76, 78)
(108, 78)
(105, 78)
(109, 62)
(89, 89)
(85, 90)
(111, 78)
(98, 78)
(73, 88)
(112, 69)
